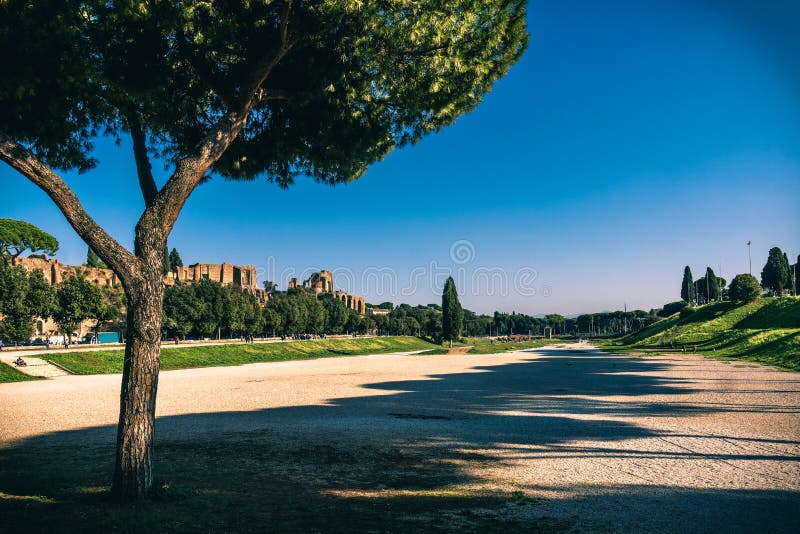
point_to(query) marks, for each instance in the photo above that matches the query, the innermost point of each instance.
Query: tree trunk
(133, 471)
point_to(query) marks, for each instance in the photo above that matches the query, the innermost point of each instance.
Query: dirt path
(592, 441)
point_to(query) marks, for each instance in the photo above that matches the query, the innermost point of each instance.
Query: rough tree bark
(141, 271)
(133, 469)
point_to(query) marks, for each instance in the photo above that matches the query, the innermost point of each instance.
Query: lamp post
(749, 259)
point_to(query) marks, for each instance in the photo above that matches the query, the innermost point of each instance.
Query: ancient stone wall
(56, 272)
(322, 284)
(226, 274)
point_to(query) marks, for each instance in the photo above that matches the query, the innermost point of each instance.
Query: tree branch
(202, 70)
(121, 260)
(143, 168)
(163, 212)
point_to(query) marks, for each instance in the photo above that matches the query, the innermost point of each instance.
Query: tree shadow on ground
(778, 313)
(409, 459)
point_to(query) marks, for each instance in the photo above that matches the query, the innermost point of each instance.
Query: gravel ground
(600, 442)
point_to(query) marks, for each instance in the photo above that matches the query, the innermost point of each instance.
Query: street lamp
(749, 259)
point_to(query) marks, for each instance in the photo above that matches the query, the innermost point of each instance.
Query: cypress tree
(175, 261)
(775, 274)
(452, 313)
(687, 287)
(93, 260)
(700, 291)
(790, 271)
(712, 285)
(165, 263)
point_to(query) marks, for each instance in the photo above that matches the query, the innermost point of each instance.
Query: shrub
(672, 307)
(744, 288)
(687, 312)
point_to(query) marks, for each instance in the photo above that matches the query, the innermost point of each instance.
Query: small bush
(672, 307)
(687, 312)
(745, 288)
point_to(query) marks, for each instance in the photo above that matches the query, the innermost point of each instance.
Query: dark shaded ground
(573, 434)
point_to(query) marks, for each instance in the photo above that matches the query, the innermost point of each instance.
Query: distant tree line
(208, 309)
(616, 322)
(426, 321)
(27, 296)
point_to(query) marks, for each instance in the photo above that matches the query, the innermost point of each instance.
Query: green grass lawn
(105, 362)
(9, 374)
(765, 331)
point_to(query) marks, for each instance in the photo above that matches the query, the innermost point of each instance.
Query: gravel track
(674, 442)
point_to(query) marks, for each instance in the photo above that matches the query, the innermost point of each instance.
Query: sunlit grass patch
(105, 362)
(765, 331)
(9, 374)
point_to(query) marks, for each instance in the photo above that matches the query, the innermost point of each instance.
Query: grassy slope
(766, 331)
(105, 362)
(9, 374)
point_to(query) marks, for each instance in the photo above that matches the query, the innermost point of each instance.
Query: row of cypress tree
(777, 276)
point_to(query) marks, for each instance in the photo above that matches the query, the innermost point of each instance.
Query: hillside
(766, 331)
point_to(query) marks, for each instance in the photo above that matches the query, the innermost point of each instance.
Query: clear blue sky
(633, 138)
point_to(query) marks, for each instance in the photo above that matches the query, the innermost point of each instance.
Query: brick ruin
(225, 274)
(56, 272)
(322, 284)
